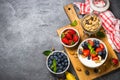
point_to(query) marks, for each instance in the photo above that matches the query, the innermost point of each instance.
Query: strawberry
(101, 46)
(75, 38)
(86, 52)
(71, 31)
(68, 36)
(95, 58)
(114, 61)
(71, 42)
(91, 42)
(65, 40)
(93, 55)
(98, 50)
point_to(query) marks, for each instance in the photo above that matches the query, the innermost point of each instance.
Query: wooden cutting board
(78, 67)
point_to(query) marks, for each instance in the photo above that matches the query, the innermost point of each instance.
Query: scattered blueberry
(87, 72)
(96, 70)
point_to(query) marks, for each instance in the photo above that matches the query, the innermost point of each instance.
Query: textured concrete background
(27, 28)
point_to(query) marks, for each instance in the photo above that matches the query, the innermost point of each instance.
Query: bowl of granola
(91, 23)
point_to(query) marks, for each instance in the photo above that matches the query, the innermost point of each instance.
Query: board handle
(71, 13)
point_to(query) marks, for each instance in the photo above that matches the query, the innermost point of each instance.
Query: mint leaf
(74, 23)
(91, 49)
(54, 65)
(47, 52)
(100, 34)
(62, 35)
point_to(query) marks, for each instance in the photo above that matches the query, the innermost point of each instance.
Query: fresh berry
(89, 57)
(65, 40)
(86, 52)
(71, 42)
(71, 31)
(95, 58)
(75, 38)
(91, 42)
(68, 36)
(98, 49)
(80, 51)
(101, 46)
(115, 61)
(85, 45)
(93, 55)
(100, 53)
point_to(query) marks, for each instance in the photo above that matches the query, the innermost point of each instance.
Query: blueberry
(94, 41)
(55, 54)
(62, 54)
(51, 57)
(80, 52)
(61, 59)
(96, 70)
(104, 54)
(87, 72)
(64, 57)
(58, 60)
(65, 60)
(97, 45)
(63, 63)
(64, 68)
(97, 42)
(66, 64)
(61, 67)
(50, 62)
(59, 70)
(88, 57)
(100, 53)
(84, 45)
(49, 65)
(59, 56)
(58, 53)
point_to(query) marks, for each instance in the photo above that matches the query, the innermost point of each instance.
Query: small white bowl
(69, 46)
(59, 73)
(90, 63)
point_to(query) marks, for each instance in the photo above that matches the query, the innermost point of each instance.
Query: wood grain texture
(104, 69)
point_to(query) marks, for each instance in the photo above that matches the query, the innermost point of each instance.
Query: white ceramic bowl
(90, 63)
(69, 46)
(58, 73)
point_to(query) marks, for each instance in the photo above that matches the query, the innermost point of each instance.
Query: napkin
(109, 23)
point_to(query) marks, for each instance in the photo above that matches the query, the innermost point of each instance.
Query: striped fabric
(109, 23)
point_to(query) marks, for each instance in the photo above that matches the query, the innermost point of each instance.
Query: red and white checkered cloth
(109, 23)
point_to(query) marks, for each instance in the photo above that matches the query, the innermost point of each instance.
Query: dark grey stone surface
(27, 28)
